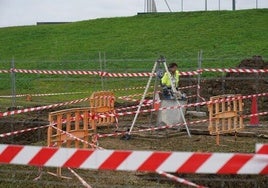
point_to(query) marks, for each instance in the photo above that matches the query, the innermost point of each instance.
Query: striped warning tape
(177, 179)
(262, 148)
(122, 133)
(132, 107)
(34, 128)
(143, 87)
(84, 183)
(120, 75)
(152, 128)
(93, 146)
(4, 71)
(257, 114)
(235, 70)
(8, 113)
(120, 160)
(22, 131)
(188, 87)
(32, 109)
(41, 95)
(184, 106)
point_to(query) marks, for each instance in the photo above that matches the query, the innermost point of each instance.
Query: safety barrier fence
(145, 161)
(32, 109)
(186, 105)
(9, 113)
(144, 74)
(151, 128)
(75, 138)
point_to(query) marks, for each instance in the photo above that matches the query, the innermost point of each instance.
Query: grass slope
(228, 36)
(219, 34)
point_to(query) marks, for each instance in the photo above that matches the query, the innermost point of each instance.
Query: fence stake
(199, 62)
(13, 83)
(100, 61)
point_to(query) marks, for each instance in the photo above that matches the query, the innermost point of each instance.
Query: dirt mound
(240, 83)
(256, 62)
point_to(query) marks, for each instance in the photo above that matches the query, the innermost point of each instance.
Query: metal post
(223, 83)
(100, 60)
(13, 83)
(257, 4)
(145, 5)
(168, 6)
(206, 5)
(143, 97)
(234, 4)
(219, 4)
(155, 92)
(182, 5)
(199, 63)
(104, 69)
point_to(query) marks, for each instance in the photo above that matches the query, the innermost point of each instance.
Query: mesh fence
(63, 88)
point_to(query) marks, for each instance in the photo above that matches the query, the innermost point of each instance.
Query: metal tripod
(156, 66)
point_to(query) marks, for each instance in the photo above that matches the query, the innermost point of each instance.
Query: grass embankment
(226, 37)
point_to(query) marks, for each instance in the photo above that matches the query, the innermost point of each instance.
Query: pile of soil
(256, 62)
(240, 83)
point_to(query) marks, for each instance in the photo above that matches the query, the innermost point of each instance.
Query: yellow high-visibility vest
(166, 81)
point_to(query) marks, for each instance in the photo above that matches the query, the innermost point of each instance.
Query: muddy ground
(164, 140)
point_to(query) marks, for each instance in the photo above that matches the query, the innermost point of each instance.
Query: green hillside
(219, 34)
(131, 44)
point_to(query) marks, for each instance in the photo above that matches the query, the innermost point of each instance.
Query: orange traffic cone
(254, 120)
(157, 105)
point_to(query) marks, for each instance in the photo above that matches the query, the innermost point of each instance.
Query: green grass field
(175, 35)
(131, 44)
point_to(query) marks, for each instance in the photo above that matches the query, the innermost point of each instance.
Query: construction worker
(166, 82)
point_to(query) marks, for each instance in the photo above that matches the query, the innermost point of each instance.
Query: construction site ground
(173, 139)
(160, 140)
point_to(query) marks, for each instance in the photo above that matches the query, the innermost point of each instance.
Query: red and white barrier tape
(74, 137)
(186, 105)
(235, 70)
(84, 183)
(177, 179)
(150, 129)
(143, 87)
(135, 95)
(117, 134)
(257, 114)
(4, 71)
(262, 148)
(202, 98)
(132, 107)
(198, 93)
(188, 87)
(9, 113)
(21, 131)
(42, 95)
(120, 75)
(128, 88)
(191, 96)
(60, 72)
(174, 162)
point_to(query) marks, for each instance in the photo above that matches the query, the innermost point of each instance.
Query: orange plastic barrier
(101, 103)
(225, 117)
(71, 128)
(76, 121)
